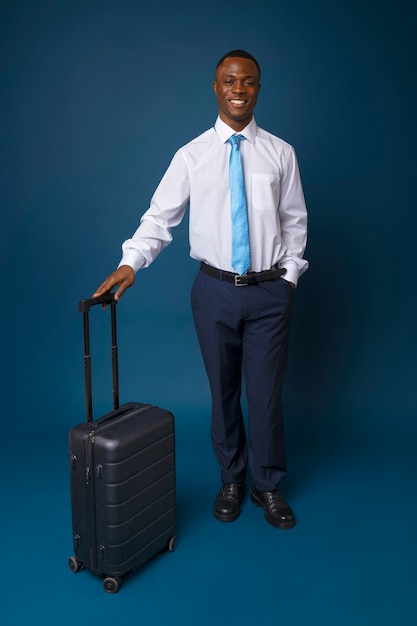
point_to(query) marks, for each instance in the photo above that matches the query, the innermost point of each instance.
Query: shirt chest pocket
(265, 192)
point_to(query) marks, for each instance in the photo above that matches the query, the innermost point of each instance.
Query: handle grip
(85, 305)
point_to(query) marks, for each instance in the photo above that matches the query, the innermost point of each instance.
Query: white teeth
(237, 101)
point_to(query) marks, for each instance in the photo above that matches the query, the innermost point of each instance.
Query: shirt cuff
(291, 273)
(134, 259)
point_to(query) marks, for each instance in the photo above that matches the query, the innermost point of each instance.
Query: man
(241, 307)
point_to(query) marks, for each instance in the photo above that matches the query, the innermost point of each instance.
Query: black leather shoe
(228, 501)
(276, 510)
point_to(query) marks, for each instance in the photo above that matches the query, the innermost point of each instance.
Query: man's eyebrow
(234, 75)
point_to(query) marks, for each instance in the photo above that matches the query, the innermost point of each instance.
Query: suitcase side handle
(85, 305)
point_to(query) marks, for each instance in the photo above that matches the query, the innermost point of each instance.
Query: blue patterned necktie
(240, 228)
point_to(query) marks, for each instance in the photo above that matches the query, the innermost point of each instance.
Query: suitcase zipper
(91, 496)
(89, 456)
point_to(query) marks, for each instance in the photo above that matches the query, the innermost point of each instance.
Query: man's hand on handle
(124, 277)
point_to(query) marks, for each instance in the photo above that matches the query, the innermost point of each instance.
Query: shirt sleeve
(293, 220)
(167, 208)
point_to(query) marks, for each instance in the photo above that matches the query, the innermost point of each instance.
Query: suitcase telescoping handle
(84, 307)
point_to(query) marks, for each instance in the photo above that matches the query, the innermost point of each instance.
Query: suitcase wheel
(74, 564)
(172, 544)
(111, 585)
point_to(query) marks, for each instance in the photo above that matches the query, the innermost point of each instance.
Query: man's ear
(215, 87)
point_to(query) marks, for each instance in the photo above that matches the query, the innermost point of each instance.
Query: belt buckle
(238, 279)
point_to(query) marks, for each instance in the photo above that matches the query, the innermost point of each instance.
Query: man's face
(237, 87)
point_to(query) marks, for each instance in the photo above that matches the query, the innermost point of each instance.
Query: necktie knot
(235, 139)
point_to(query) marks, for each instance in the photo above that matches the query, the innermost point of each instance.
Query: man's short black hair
(240, 54)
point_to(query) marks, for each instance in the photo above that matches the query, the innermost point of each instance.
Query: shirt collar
(224, 131)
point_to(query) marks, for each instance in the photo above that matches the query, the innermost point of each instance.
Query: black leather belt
(247, 279)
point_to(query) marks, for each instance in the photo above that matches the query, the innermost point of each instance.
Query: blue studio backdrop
(96, 96)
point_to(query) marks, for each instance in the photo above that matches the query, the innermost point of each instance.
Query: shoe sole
(280, 526)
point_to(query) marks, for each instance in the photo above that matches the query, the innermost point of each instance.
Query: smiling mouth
(237, 102)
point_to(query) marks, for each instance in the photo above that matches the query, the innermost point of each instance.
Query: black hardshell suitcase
(122, 469)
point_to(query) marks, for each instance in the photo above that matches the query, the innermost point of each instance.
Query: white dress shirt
(198, 177)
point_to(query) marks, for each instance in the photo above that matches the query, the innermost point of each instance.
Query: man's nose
(238, 86)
